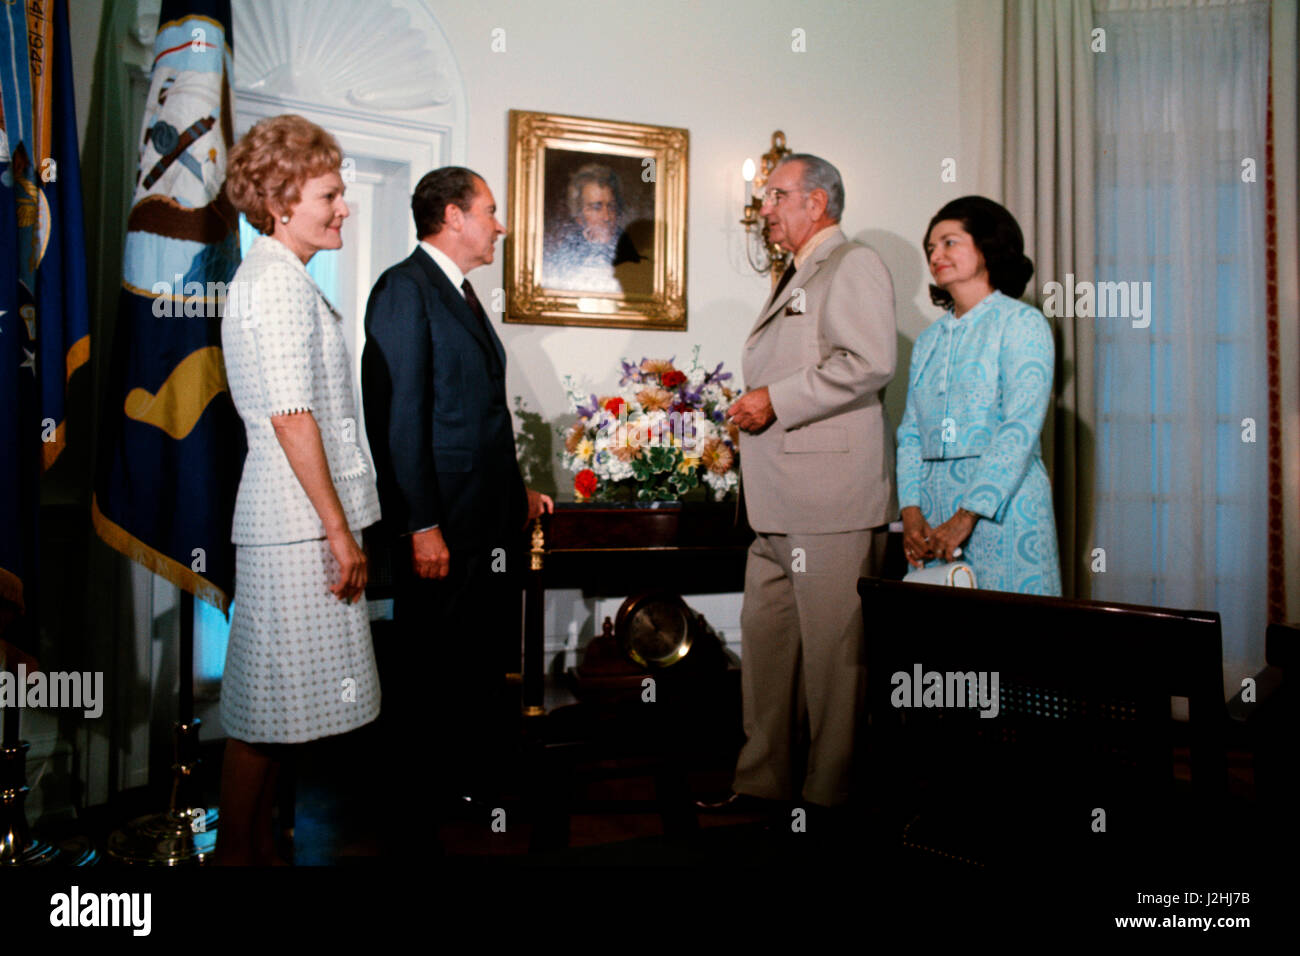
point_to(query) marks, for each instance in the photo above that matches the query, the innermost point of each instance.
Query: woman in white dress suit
(300, 664)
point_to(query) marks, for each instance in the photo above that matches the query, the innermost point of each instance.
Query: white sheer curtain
(1181, 496)
(1048, 168)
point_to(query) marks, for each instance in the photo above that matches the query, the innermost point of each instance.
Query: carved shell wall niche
(374, 55)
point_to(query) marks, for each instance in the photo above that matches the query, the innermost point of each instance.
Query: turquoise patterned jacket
(979, 386)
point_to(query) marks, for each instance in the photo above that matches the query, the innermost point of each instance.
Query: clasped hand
(922, 543)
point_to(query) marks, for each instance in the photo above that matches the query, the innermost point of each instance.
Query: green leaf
(662, 459)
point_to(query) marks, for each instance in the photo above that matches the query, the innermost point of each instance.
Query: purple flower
(718, 375)
(631, 372)
(587, 411)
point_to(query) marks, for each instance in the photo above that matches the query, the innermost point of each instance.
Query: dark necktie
(476, 307)
(786, 276)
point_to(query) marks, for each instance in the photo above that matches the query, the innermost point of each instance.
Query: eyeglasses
(773, 197)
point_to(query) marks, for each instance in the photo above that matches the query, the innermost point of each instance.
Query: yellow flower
(585, 448)
(686, 465)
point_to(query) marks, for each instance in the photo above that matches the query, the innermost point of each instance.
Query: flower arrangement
(658, 439)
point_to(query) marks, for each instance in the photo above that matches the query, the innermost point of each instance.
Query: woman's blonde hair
(267, 167)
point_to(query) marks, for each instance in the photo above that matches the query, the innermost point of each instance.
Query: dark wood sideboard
(614, 550)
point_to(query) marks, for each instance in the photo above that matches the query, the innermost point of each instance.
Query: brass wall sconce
(763, 255)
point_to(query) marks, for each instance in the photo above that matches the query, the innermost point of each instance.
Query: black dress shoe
(737, 803)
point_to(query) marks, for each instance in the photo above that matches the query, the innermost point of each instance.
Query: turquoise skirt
(1019, 552)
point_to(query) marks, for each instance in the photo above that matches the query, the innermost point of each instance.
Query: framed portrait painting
(597, 223)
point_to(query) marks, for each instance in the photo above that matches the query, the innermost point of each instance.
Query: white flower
(721, 484)
(619, 470)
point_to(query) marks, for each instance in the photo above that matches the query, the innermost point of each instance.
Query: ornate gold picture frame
(597, 223)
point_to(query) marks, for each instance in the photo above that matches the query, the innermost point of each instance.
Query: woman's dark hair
(438, 189)
(998, 238)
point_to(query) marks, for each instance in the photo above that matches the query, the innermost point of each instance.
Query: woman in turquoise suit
(970, 470)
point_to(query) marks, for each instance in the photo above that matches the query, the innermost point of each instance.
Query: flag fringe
(119, 539)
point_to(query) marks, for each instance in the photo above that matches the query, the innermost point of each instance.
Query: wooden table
(611, 550)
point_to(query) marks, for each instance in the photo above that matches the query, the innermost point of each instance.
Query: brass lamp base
(75, 852)
(187, 831)
(18, 847)
(166, 839)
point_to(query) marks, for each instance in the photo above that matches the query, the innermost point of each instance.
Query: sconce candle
(763, 256)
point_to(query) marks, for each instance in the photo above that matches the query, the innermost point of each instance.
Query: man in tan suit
(817, 467)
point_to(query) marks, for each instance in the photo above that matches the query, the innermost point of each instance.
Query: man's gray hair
(597, 173)
(819, 174)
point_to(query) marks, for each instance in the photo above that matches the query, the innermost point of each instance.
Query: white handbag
(956, 574)
(953, 574)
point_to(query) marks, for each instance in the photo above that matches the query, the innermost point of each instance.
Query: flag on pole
(18, 410)
(61, 296)
(44, 320)
(169, 470)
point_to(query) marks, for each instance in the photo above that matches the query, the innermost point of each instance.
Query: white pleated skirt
(300, 664)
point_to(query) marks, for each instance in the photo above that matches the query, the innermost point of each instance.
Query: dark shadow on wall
(906, 266)
(534, 446)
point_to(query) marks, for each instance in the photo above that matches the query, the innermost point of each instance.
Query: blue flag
(18, 409)
(62, 300)
(44, 321)
(165, 490)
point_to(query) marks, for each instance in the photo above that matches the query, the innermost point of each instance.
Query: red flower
(584, 483)
(614, 406)
(672, 378)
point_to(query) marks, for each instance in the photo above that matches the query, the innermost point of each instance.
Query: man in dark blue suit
(453, 501)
